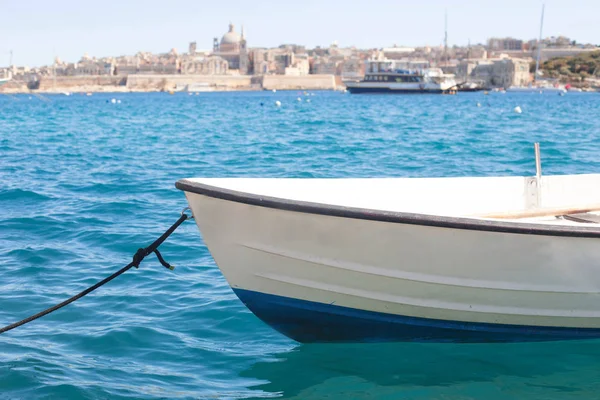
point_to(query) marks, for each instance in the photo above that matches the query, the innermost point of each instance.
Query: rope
(137, 259)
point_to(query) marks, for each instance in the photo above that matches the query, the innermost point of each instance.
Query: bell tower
(243, 54)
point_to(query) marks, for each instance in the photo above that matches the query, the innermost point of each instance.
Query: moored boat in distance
(468, 259)
(200, 87)
(471, 87)
(538, 87)
(383, 76)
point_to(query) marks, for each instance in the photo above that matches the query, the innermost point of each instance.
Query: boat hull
(322, 273)
(468, 89)
(383, 90)
(307, 321)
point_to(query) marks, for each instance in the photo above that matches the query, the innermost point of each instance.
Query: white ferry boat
(385, 77)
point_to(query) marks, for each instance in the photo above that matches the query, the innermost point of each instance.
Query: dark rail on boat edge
(464, 223)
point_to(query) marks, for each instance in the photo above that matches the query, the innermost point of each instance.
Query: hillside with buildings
(232, 64)
(579, 68)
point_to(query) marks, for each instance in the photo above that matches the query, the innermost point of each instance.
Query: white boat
(475, 259)
(384, 76)
(200, 87)
(537, 88)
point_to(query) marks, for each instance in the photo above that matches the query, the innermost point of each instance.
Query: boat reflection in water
(562, 370)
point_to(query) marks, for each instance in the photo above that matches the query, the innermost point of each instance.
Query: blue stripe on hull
(307, 321)
(359, 90)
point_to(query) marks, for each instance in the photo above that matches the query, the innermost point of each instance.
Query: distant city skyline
(38, 30)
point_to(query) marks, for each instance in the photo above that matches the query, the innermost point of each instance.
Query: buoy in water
(308, 100)
(274, 90)
(478, 104)
(299, 99)
(278, 103)
(118, 101)
(518, 110)
(113, 101)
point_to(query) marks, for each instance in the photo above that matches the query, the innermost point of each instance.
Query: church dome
(231, 37)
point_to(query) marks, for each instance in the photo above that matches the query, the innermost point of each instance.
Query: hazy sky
(36, 30)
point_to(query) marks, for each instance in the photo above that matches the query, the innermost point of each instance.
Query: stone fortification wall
(153, 83)
(14, 86)
(306, 82)
(78, 82)
(173, 82)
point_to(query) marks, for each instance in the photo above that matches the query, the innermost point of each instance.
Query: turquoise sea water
(85, 182)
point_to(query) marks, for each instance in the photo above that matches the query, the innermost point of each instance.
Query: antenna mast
(539, 46)
(446, 36)
(469, 49)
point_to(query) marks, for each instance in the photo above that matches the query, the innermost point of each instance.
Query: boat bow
(373, 259)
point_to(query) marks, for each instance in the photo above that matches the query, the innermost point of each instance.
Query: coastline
(170, 83)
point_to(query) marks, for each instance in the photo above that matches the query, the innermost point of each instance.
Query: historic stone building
(499, 72)
(503, 44)
(233, 49)
(212, 65)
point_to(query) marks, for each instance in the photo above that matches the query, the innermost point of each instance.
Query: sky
(38, 30)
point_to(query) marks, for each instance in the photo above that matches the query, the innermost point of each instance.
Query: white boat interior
(464, 197)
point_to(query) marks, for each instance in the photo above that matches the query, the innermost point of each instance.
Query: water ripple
(86, 182)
